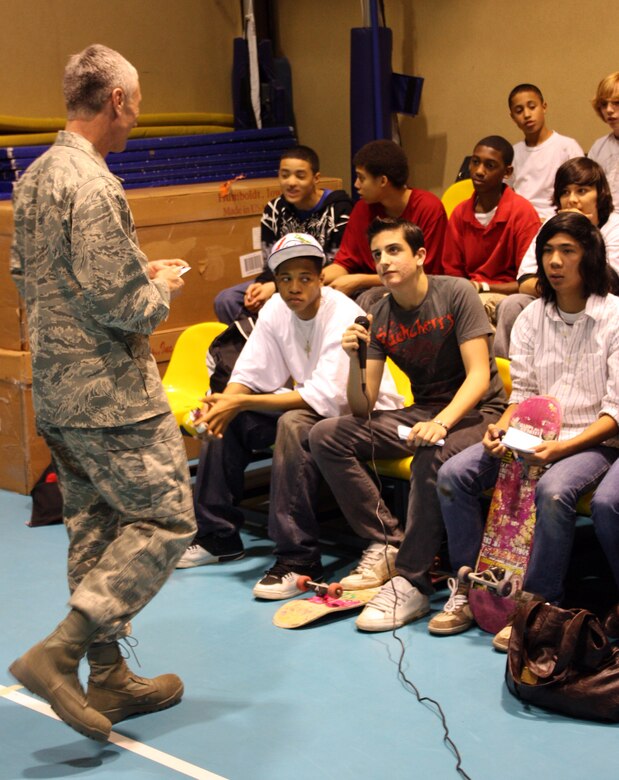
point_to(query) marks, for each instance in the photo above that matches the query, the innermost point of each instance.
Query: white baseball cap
(294, 245)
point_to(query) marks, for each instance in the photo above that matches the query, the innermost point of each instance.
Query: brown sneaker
(456, 617)
(116, 692)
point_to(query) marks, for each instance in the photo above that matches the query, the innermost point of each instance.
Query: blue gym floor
(262, 703)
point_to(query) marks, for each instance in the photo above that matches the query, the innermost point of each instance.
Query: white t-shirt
(605, 151)
(535, 168)
(610, 231)
(283, 346)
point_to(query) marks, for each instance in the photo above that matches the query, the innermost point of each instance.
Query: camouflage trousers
(128, 512)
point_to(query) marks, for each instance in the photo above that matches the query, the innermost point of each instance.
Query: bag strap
(245, 326)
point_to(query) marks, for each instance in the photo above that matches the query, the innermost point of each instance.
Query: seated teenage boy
(565, 344)
(435, 329)
(605, 150)
(303, 207)
(488, 234)
(382, 175)
(297, 335)
(543, 150)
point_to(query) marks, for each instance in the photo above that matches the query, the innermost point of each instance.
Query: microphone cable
(427, 701)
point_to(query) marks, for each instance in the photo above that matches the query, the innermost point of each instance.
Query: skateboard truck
(305, 583)
(503, 582)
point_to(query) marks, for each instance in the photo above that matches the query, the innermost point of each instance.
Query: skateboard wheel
(335, 590)
(463, 573)
(504, 588)
(302, 582)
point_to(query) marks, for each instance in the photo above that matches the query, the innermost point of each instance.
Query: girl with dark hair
(566, 345)
(580, 185)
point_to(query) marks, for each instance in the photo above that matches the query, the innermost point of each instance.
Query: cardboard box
(204, 224)
(23, 455)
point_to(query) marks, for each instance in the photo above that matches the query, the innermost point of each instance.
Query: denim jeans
(342, 446)
(295, 480)
(228, 303)
(605, 516)
(462, 480)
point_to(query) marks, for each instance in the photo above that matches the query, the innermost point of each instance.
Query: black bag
(224, 351)
(46, 500)
(561, 659)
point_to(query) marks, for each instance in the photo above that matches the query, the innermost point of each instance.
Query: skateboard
(327, 600)
(508, 533)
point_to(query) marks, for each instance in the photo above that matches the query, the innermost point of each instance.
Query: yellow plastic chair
(398, 468)
(186, 379)
(503, 365)
(456, 193)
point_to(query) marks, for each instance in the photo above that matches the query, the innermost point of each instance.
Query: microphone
(363, 348)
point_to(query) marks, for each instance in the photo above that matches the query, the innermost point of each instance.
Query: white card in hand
(520, 441)
(404, 430)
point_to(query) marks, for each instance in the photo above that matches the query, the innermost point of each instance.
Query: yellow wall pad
(27, 124)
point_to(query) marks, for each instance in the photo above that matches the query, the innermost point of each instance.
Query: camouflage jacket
(90, 303)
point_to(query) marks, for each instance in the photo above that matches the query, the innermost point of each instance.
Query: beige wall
(471, 52)
(182, 49)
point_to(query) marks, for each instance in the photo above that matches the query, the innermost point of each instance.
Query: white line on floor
(158, 756)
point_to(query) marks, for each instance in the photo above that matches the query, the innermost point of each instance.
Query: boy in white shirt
(537, 158)
(605, 151)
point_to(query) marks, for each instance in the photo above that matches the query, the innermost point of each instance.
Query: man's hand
(257, 294)
(170, 275)
(154, 266)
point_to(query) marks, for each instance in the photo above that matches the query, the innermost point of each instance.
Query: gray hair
(90, 77)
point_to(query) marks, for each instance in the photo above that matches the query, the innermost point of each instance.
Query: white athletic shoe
(397, 603)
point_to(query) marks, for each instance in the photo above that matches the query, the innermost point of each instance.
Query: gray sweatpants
(341, 447)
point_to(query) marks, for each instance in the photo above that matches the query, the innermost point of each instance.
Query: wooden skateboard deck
(300, 612)
(508, 534)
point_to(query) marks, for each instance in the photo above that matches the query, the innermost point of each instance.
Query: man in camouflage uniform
(92, 298)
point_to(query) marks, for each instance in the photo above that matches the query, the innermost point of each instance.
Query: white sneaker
(222, 550)
(397, 603)
(377, 565)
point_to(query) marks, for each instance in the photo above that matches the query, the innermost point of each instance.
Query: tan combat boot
(116, 692)
(49, 669)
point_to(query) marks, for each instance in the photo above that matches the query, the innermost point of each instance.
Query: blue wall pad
(157, 162)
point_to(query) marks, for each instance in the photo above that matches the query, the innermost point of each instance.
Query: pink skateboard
(508, 534)
(328, 600)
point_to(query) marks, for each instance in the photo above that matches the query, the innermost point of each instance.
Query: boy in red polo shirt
(488, 234)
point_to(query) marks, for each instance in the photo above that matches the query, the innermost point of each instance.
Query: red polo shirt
(491, 253)
(423, 208)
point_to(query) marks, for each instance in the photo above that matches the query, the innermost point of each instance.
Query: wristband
(442, 424)
(485, 287)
